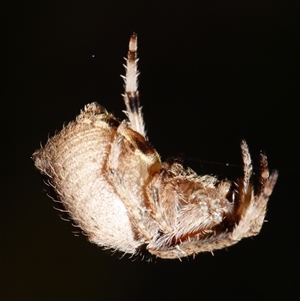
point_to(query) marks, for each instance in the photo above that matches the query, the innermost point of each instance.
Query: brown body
(114, 186)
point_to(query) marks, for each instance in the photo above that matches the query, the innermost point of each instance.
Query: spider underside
(113, 184)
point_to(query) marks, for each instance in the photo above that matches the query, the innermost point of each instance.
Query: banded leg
(131, 95)
(252, 210)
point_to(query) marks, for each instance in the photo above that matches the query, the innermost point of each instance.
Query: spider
(114, 186)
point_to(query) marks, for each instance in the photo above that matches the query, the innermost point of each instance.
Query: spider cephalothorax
(115, 187)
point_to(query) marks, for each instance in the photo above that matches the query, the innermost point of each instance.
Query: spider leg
(131, 95)
(162, 199)
(264, 173)
(266, 186)
(247, 167)
(252, 208)
(131, 162)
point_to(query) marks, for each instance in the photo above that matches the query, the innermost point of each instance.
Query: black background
(212, 73)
